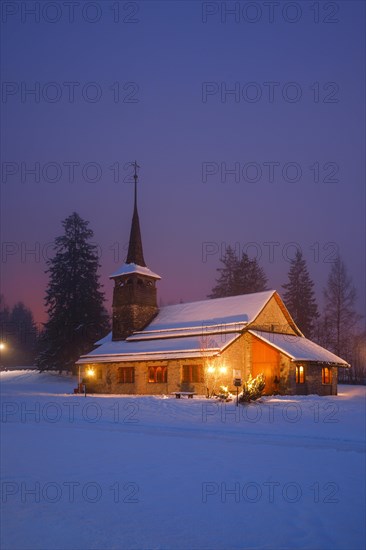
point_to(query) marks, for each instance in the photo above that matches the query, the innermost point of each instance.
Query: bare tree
(339, 309)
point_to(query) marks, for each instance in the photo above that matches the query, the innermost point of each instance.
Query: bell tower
(134, 294)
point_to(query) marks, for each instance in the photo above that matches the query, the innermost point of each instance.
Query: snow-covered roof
(127, 269)
(183, 330)
(159, 349)
(218, 316)
(299, 348)
(202, 330)
(205, 328)
(241, 309)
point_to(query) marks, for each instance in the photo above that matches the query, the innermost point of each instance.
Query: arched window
(126, 375)
(300, 374)
(158, 375)
(151, 374)
(192, 373)
(326, 375)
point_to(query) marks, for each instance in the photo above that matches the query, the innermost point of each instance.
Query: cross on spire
(136, 166)
(135, 253)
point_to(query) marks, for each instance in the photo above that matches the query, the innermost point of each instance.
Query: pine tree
(238, 276)
(74, 300)
(251, 276)
(339, 301)
(299, 297)
(227, 283)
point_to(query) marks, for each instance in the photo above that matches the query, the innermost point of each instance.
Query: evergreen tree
(339, 301)
(299, 297)
(251, 276)
(74, 300)
(18, 332)
(238, 276)
(227, 283)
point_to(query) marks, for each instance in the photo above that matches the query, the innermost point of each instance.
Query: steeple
(135, 253)
(134, 293)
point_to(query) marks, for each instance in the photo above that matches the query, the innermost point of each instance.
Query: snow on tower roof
(299, 348)
(127, 269)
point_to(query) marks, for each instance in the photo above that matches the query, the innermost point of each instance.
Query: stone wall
(313, 381)
(134, 304)
(237, 355)
(129, 318)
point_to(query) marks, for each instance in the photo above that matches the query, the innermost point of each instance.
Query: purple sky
(171, 67)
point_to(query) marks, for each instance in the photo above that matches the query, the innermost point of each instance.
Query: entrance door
(266, 360)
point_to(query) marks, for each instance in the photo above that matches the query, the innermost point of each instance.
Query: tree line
(77, 317)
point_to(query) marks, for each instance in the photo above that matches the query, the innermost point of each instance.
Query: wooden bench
(189, 394)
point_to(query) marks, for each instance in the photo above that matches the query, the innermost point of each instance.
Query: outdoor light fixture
(237, 383)
(211, 369)
(2, 347)
(223, 370)
(90, 372)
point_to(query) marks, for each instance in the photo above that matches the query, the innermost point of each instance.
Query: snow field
(144, 472)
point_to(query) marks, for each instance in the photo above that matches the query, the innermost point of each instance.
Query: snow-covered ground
(107, 472)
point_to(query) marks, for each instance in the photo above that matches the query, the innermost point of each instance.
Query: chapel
(199, 346)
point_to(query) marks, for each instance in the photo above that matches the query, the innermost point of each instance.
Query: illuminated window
(126, 375)
(326, 375)
(158, 375)
(300, 374)
(192, 373)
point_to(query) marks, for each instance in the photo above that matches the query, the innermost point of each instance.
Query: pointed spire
(135, 253)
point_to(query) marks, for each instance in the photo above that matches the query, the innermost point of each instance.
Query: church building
(202, 345)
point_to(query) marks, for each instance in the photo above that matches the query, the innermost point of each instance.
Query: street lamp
(90, 373)
(2, 347)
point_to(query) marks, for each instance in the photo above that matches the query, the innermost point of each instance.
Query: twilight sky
(249, 128)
